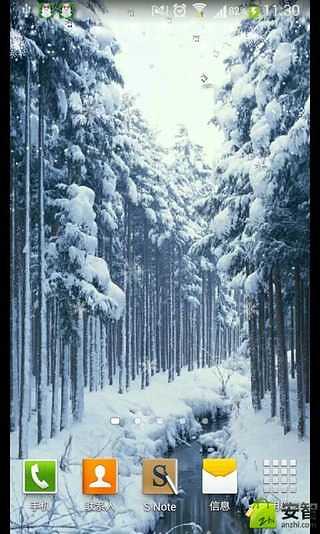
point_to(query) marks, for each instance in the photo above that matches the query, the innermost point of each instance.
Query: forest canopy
(129, 259)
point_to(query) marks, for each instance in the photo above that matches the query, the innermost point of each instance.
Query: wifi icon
(199, 7)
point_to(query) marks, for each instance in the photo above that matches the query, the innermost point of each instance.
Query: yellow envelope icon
(219, 475)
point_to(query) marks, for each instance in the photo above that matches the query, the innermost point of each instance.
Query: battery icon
(254, 12)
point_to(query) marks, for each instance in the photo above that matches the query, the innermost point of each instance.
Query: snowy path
(193, 394)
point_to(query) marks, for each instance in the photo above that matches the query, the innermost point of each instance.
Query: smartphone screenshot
(160, 258)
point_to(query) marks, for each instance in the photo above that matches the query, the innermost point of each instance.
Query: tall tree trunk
(103, 372)
(169, 299)
(85, 349)
(198, 336)
(307, 343)
(123, 343)
(299, 354)
(282, 353)
(188, 334)
(42, 385)
(147, 309)
(151, 318)
(144, 309)
(180, 307)
(209, 319)
(14, 313)
(212, 317)
(158, 312)
(264, 382)
(65, 385)
(55, 353)
(173, 315)
(27, 323)
(92, 361)
(153, 332)
(110, 352)
(203, 323)
(128, 267)
(292, 362)
(78, 404)
(133, 312)
(253, 350)
(272, 358)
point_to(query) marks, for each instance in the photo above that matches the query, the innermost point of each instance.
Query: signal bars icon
(199, 7)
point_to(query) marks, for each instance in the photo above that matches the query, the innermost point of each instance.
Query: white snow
(257, 211)
(283, 58)
(249, 430)
(242, 90)
(227, 117)
(258, 179)
(264, 91)
(192, 394)
(109, 216)
(109, 186)
(96, 270)
(197, 393)
(75, 154)
(298, 136)
(274, 37)
(163, 238)
(237, 281)
(117, 296)
(279, 152)
(76, 255)
(80, 207)
(166, 218)
(251, 284)
(55, 132)
(237, 71)
(132, 191)
(273, 112)
(62, 103)
(151, 215)
(110, 95)
(103, 35)
(17, 44)
(224, 262)
(75, 102)
(222, 222)
(87, 243)
(260, 134)
(214, 439)
(279, 144)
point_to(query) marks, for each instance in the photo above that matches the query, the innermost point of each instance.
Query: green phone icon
(40, 476)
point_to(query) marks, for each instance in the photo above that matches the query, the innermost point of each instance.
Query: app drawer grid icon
(280, 475)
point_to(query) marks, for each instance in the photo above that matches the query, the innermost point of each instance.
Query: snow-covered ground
(256, 437)
(178, 404)
(193, 394)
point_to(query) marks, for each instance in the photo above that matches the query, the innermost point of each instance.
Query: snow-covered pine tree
(263, 111)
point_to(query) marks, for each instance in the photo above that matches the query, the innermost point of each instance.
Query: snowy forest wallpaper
(159, 255)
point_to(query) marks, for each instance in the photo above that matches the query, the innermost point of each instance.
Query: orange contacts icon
(99, 476)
